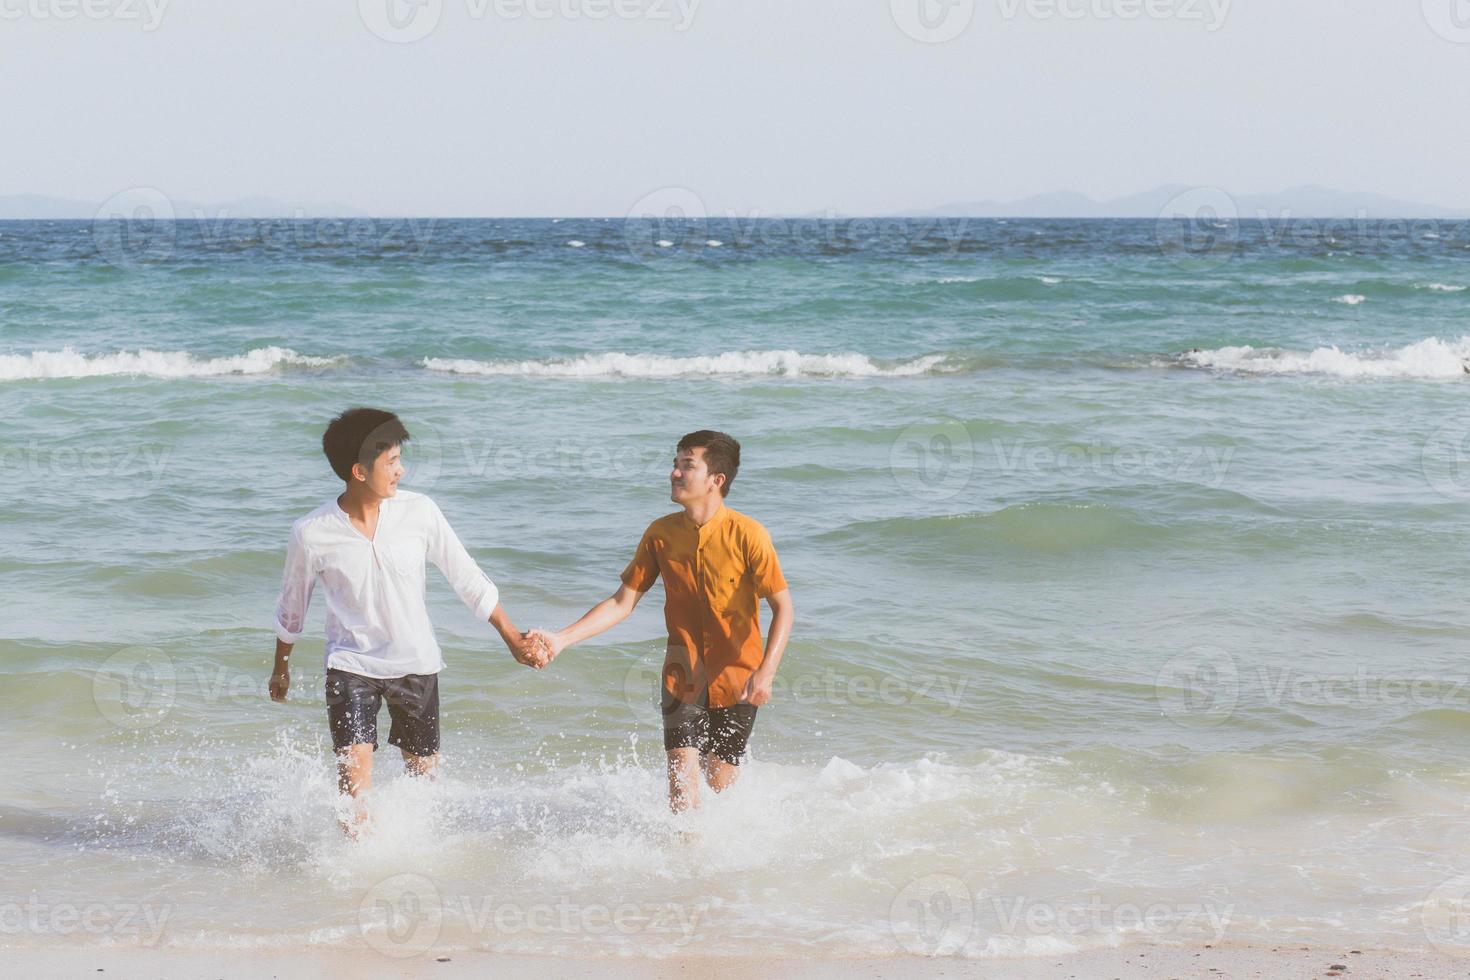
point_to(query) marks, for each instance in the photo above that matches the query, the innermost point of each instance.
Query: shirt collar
(714, 521)
(342, 511)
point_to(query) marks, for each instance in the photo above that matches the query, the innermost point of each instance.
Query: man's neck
(701, 512)
(359, 502)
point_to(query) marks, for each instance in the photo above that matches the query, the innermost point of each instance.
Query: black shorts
(413, 703)
(720, 732)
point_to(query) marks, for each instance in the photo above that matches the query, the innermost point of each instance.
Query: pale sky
(757, 106)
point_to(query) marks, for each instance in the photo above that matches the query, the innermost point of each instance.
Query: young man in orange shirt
(717, 564)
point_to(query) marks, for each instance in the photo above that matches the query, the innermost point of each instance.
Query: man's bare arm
(600, 618)
(281, 675)
(783, 614)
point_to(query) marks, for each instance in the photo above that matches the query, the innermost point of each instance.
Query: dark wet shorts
(720, 732)
(413, 704)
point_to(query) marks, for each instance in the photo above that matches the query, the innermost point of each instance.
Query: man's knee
(721, 773)
(684, 764)
(354, 767)
(356, 754)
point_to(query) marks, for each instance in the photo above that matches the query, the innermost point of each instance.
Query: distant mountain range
(1309, 201)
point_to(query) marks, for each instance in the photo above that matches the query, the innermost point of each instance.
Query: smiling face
(690, 480)
(383, 475)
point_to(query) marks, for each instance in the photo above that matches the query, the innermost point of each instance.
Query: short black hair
(721, 454)
(361, 435)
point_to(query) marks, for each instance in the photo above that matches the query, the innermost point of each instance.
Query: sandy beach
(1223, 961)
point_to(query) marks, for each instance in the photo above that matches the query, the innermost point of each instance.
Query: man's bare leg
(421, 765)
(354, 780)
(683, 779)
(720, 773)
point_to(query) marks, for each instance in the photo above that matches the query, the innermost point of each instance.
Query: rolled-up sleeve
(297, 583)
(469, 582)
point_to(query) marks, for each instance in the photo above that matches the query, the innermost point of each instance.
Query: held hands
(531, 649)
(551, 643)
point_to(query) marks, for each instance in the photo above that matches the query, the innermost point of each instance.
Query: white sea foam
(1045, 860)
(1440, 287)
(1429, 358)
(714, 243)
(67, 363)
(576, 244)
(1049, 280)
(752, 363)
(1352, 299)
(945, 280)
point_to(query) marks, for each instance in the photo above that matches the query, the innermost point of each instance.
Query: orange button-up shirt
(714, 578)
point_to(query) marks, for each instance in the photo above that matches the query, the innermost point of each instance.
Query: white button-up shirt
(377, 621)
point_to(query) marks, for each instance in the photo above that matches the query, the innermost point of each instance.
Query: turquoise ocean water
(1129, 563)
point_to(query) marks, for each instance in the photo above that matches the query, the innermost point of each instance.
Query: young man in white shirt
(368, 548)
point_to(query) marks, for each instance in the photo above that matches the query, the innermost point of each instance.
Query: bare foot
(356, 829)
(356, 822)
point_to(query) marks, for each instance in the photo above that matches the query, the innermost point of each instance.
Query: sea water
(1129, 564)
